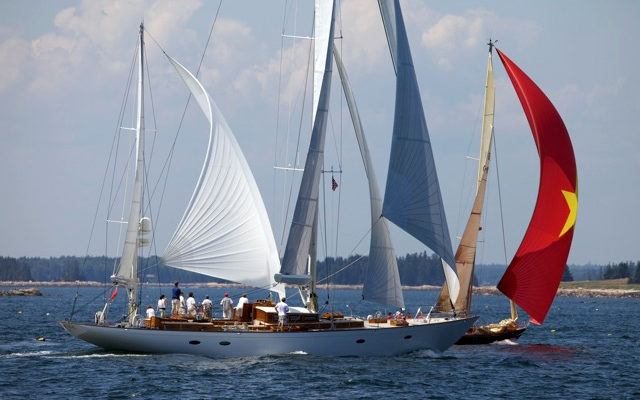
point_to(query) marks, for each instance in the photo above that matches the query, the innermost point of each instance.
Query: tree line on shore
(415, 269)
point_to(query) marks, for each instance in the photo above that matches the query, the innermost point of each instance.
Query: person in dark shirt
(175, 299)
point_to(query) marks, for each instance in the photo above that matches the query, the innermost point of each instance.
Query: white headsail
(225, 231)
(382, 280)
(412, 197)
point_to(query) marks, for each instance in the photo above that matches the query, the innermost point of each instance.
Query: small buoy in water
(19, 311)
(41, 339)
(48, 314)
(553, 331)
(609, 334)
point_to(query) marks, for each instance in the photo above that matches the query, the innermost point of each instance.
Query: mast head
(491, 44)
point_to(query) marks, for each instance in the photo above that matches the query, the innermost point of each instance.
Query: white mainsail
(412, 196)
(126, 272)
(382, 280)
(297, 250)
(225, 231)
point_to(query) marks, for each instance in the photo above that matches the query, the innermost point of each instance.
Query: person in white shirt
(192, 308)
(282, 309)
(207, 307)
(150, 312)
(243, 300)
(182, 308)
(227, 306)
(162, 306)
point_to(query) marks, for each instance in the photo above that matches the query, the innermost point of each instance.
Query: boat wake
(507, 342)
(98, 355)
(27, 354)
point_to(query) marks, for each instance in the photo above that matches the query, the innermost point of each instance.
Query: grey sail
(382, 280)
(412, 196)
(298, 245)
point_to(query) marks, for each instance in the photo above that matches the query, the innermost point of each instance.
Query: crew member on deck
(207, 307)
(162, 306)
(175, 299)
(282, 309)
(192, 310)
(243, 300)
(182, 307)
(227, 306)
(150, 312)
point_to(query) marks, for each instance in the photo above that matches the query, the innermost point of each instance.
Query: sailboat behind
(534, 274)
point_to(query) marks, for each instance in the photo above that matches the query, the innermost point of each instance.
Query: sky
(64, 66)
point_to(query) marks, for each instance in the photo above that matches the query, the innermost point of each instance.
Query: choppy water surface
(587, 349)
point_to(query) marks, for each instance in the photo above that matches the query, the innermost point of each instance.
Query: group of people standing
(189, 307)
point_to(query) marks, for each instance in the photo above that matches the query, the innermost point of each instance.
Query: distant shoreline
(480, 290)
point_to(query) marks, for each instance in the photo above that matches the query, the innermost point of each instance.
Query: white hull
(373, 340)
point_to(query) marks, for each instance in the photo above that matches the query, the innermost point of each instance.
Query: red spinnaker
(533, 277)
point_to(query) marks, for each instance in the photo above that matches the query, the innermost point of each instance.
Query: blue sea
(588, 348)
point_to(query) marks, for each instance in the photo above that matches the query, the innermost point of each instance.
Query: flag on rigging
(334, 184)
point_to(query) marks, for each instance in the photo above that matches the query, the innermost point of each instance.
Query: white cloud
(451, 36)
(94, 30)
(13, 54)
(365, 43)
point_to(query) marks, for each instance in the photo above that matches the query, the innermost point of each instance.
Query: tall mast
(127, 272)
(134, 219)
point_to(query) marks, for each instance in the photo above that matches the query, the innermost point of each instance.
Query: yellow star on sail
(572, 201)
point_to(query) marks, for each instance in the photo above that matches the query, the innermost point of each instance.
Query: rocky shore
(480, 290)
(576, 292)
(21, 292)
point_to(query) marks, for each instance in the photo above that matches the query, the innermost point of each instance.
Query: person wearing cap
(243, 300)
(175, 298)
(227, 306)
(282, 309)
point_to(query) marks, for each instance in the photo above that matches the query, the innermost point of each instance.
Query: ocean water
(586, 349)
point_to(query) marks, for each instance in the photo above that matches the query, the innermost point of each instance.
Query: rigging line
(460, 219)
(339, 150)
(324, 217)
(150, 194)
(342, 269)
(285, 215)
(114, 147)
(504, 244)
(275, 149)
(155, 127)
(168, 161)
(304, 102)
(167, 164)
(87, 303)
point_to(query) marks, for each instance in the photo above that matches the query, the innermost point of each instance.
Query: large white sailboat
(225, 232)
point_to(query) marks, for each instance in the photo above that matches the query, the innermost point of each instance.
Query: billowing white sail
(225, 231)
(412, 196)
(382, 280)
(297, 249)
